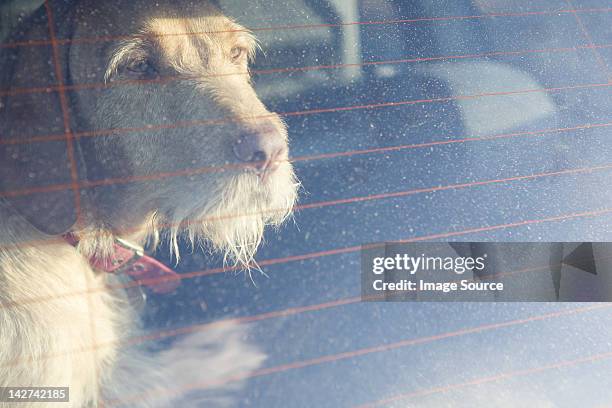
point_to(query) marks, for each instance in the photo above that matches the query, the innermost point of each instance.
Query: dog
(147, 130)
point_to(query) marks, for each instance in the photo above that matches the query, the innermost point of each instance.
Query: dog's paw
(203, 368)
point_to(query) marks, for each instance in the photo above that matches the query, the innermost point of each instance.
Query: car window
(415, 121)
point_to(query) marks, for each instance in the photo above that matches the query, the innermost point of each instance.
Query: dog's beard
(233, 219)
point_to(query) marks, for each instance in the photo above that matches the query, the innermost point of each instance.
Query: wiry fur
(231, 227)
(60, 323)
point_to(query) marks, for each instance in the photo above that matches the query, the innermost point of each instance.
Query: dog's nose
(262, 148)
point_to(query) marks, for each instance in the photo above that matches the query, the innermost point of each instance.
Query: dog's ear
(34, 160)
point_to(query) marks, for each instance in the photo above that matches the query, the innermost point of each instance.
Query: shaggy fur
(60, 324)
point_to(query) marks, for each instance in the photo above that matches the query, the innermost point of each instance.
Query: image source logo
(478, 271)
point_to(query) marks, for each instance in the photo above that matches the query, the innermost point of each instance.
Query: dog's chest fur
(66, 319)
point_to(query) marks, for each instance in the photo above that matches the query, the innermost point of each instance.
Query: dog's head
(170, 135)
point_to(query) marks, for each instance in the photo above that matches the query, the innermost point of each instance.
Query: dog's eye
(142, 66)
(237, 53)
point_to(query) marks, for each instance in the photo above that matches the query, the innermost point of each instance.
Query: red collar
(131, 260)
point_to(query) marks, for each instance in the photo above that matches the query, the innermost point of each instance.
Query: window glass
(463, 120)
